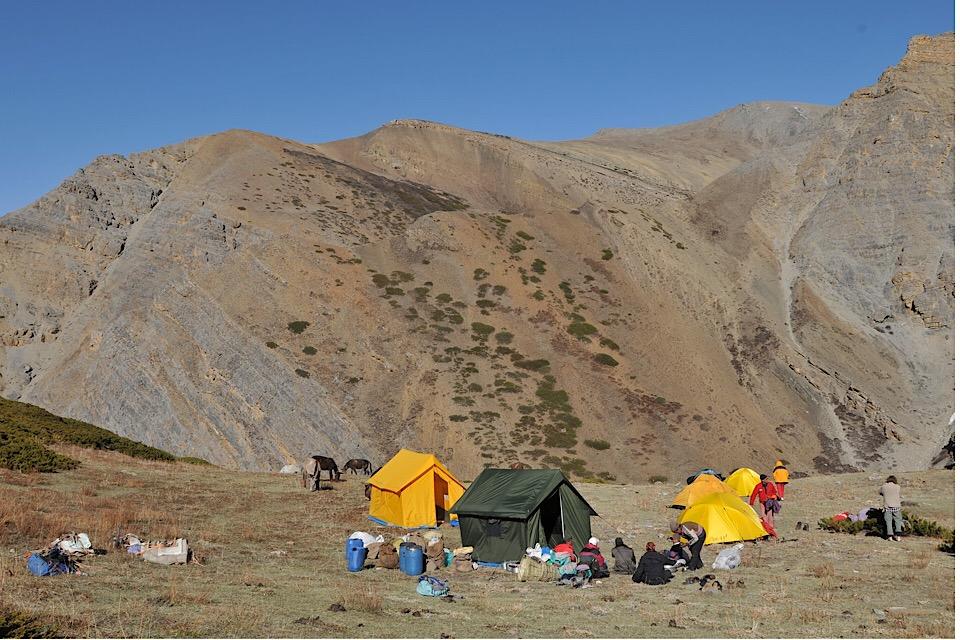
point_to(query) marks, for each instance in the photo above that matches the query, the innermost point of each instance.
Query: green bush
(482, 330)
(302, 373)
(503, 337)
(533, 365)
(194, 460)
(310, 351)
(26, 430)
(444, 298)
(874, 525)
(524, 235)
(381, 280)
(657, 478)
(298, 326)
(599, 445)
(581, 330)
(458, 418)
(607, 254)
(948, 545)
(271, 345)
(393, 291)
(539, 266)
(609, 344)
(605, 359)
(480, 274)
(20, 624)
(486, 304)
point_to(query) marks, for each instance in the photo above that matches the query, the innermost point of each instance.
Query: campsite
(272, 559)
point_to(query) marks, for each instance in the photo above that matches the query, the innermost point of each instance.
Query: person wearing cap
(781, 477)
(624, 560)
(591, 555)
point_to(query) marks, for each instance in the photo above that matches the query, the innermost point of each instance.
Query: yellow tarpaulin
(725, 518)
(742, 481)
(704, 485)
(413, 490)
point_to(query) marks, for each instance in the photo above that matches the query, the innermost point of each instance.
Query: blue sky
(86, 78)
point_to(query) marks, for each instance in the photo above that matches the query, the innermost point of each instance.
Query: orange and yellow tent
(725, 518)
(413, 490)
(704, 485)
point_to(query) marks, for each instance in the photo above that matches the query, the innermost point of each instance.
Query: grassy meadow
(273, 564)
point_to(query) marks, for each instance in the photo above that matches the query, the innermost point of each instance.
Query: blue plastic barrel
(412, 560)
(356, 557)
(353, 544)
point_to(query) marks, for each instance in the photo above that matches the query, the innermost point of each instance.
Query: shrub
(538, 295)
(474, 387)
(298, 326)
(271, 345)
(581, 330)
(599, 445)
(381, 280)
(310, 351)
(503, 337)
(607, 254)
(605, 359)
(393, 291)
(402, 276)
(444, 298)
(948, 545)
(567, 291)
(516, 246)
(499, 290)
(533, 365)
(657, 478)
(539, 266)
(486, 304)
(15, 623)
(194, 460)
(458, 418)
(480, 274)
(482, 330)
(302, 373)
(609, 344)
(875, 526)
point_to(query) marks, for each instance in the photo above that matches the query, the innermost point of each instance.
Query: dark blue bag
(41, 567)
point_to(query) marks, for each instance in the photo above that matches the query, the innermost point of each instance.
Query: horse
(366, 485)
(519, 465)
(312, 470)
(357, 465)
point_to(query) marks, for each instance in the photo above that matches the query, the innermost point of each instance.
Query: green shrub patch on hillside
(26, 430)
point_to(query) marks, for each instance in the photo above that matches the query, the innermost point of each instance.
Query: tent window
(494, 528)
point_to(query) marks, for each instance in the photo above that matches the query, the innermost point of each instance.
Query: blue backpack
(430, 586)
(40, 566)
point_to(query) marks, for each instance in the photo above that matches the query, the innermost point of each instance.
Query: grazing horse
(312, 470)
(519, 465)
(366, 485)
(358, 464)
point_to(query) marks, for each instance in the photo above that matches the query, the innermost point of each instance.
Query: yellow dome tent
(725, 517)
(413, 490)
(704, 485)
(742, 481)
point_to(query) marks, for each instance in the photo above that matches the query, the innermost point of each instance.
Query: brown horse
(312, 470)
(366, 485)
(357, 465)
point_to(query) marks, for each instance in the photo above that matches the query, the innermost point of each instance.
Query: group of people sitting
(654, 567)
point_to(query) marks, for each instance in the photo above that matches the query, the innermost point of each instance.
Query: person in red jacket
(591, 555)
(566, 547)
(767, 494)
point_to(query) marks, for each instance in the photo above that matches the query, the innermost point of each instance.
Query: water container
(412, 560)
(352, 545)
(356, 557)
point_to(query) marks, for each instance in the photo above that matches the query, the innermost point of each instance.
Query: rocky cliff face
(773, 281)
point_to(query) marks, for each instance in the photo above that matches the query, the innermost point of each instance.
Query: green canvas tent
(504, 511)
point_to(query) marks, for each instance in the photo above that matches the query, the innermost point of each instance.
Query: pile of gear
(175, 551)
(63, 555)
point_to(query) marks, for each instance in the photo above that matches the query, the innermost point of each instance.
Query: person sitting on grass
(652, 567)
(624, 561)
(590, 555)
(566, 547)
(692, 536)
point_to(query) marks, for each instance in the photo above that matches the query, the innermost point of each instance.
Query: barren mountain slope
(616, 306)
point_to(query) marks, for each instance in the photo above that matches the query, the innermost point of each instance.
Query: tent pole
(563, 529)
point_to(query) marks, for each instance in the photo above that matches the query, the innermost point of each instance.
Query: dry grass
(921, 560)
(274, 565)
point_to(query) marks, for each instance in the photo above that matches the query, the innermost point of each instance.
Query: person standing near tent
(766, 493)
(781, 477)
(892, 516)
(693, 537)
(624, 560)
